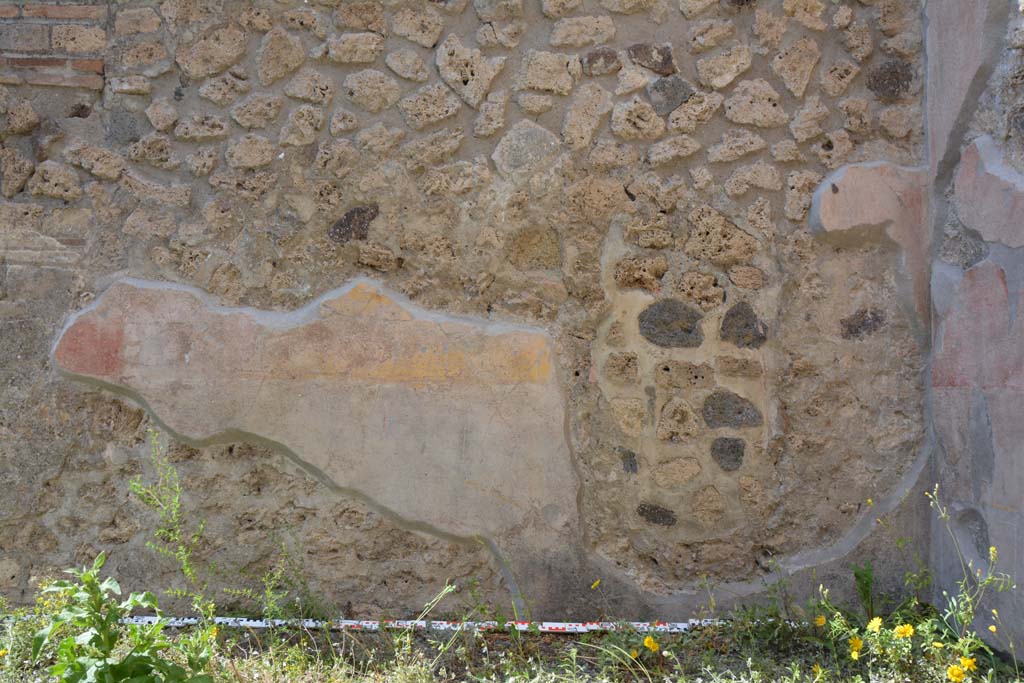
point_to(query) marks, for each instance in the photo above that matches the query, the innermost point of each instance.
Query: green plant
(97, 647)
(172, 538)
(18, 627)
(864, 582)
(914, 641)
(283, 592)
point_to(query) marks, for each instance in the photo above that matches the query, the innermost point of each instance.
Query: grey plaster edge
(310, 311)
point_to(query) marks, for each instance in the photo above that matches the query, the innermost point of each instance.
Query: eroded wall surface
(670, 194)
(977, 281)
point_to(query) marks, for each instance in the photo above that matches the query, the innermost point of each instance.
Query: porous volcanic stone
(466, 70)
(279, 54)
(677, 421)
(355, 224)
(672, 324)
(728, 452)
(726, 409)
(655, 514)
(741, 327)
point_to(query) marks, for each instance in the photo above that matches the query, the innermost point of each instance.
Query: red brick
(36, 61)
(93, 12)
(64, 80)
(91, 65)
(8, 11)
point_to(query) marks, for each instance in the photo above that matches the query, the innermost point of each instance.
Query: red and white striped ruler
(439, 625)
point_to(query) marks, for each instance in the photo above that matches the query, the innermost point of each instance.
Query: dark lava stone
(601, 61)
(657, 58)
(728, 452)
(655, 514)
(668, 93)
(629, 462)
(355, 224)
(740, 3)
(891, 80)
(671, 323)
(122, 128)
(726, 409)
(865, 321)
(80, 110)
(740, 326)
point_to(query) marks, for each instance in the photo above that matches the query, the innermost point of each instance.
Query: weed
(173, 538)
(97, 647)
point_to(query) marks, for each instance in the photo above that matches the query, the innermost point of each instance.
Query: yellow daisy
(903, 631)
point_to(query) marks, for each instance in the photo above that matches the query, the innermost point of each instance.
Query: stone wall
(703, 227)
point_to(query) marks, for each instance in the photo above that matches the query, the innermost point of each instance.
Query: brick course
(49, 11)
(39, 42)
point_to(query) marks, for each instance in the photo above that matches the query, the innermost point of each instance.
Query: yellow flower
(969, 663)
(995, 613)
(871, 503)
(816, 670)
(214, 631)
(937, 645)
(854, 655)
(3, 653)
(955, 673)
(856, 644)
(903, 631)
(993, 628)
(819, 620)
(651, 644)
(875, 625)
(633, 653)
(594, 585)
(993, 554)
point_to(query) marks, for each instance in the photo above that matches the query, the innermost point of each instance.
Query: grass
(72, 632)
(750, 646)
